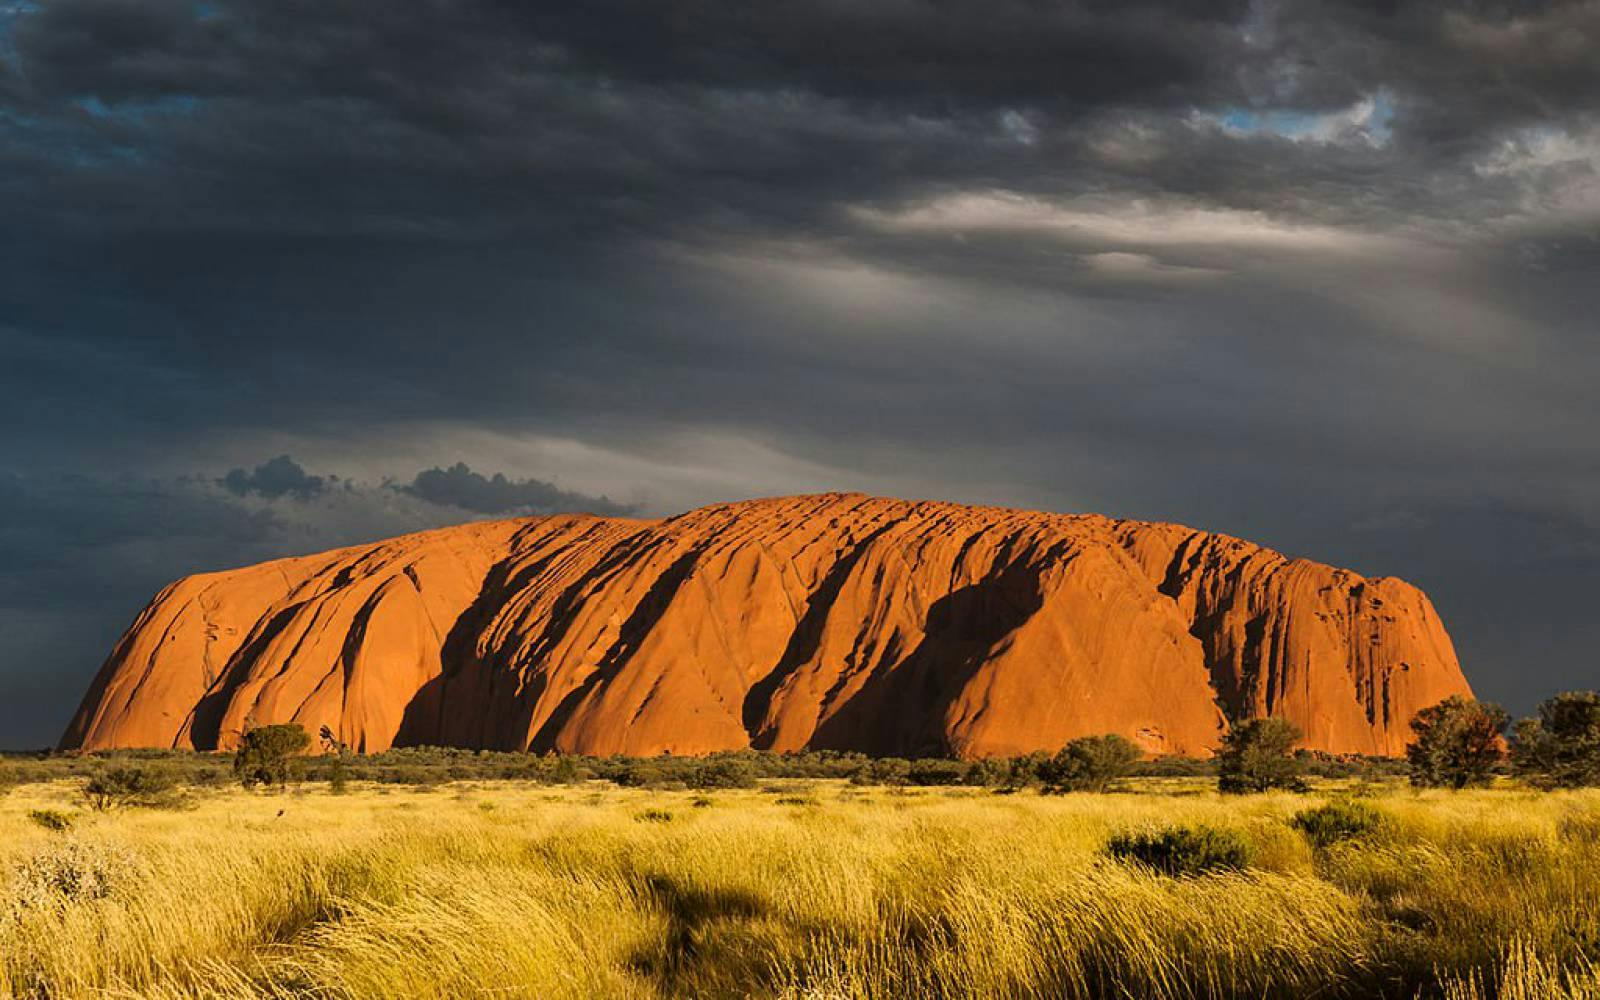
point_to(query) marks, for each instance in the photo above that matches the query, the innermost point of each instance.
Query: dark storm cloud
(1320, 274)
(629, 118)
(459, 486)
(274, 478)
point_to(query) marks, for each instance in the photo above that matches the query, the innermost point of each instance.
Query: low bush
(72, 871)
(428, 765)
(1089, 764)
(936, 771)
(269, 755)
(1338, 821)
(338, 773)
(884, 771)
(51, 819)
(410, 774)
(1183, 850)
(722, 772)
(131, 785)
(641, 775)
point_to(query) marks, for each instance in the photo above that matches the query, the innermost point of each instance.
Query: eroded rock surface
(833, 621)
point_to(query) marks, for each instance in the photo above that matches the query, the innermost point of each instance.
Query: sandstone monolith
(836, 621)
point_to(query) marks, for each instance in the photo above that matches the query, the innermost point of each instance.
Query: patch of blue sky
(135, 111)
(1288, 124)
(1371, 118)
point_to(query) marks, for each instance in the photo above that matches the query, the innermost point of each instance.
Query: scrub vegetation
(802, 888)
(1086, 873)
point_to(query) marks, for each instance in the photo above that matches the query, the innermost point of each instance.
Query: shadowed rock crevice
(207, 715)
(645, 614)
(802, 643)
(901, 711)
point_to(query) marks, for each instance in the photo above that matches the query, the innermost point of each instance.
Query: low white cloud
(1120, 223)
(1139, 267)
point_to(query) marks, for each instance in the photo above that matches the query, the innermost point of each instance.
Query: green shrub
(1172, 766)
(1025, 770)
(207, 777)
(884, 771)
(565, 771)
(130, 785)
(414, 775)
(723, 772)
(339, 776)
(51, 819)
(936, 771)
(1456, 743)
(268, 755)
(641, 774)
(1183, 850)
(1358, 766)
(654, 816)
(1337, 821)
(1089, 764)
(1258, 756)
(990, 772)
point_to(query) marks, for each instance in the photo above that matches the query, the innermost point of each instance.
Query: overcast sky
(285, 275)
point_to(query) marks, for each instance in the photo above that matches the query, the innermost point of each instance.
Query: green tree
(1258, 756)
(1561, 747)
(267, 754)
(1456, 743)
(1089, 764)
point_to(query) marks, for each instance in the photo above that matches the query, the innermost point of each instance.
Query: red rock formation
(835, 621)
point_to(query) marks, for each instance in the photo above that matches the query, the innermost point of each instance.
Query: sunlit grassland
(801, 889)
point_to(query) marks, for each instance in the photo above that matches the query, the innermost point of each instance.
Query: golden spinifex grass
(818, 890)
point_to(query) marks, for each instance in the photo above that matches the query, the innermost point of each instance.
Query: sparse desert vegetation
(1087, 873)
(802, 888)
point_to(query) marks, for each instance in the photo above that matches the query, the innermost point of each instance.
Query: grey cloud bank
(1320, 275)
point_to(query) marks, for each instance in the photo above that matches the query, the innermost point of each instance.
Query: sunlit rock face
(836, 621)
